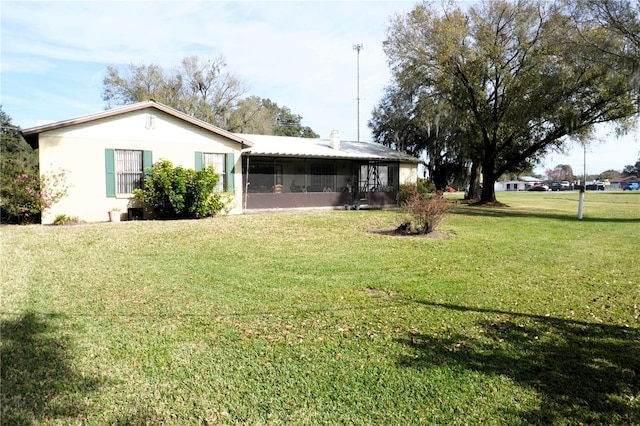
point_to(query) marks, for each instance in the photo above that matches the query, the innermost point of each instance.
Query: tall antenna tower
(358, 47)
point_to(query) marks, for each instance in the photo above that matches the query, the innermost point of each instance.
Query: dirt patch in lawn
(433, 235)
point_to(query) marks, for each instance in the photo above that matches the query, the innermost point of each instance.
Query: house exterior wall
(408, 173)
(79, 150)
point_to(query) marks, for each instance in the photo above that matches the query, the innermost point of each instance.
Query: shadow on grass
(585, 373)
(139, 416)
(509, 212)
(38, 383)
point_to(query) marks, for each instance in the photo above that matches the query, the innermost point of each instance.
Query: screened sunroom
(282, 172)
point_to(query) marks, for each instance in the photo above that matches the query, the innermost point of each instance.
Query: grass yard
(524, 315)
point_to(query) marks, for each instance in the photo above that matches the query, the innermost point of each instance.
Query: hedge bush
(179, 192)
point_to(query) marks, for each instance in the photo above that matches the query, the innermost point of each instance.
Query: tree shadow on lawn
(508, 212)
(585, 373)
(38, 383)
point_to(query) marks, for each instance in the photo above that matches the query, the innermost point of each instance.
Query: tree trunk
(474, 181)
(489, 179)
(438, 176)
(488, 191)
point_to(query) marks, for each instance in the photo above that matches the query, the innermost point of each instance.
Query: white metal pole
(358, 47)
(581, 203)
(584, 182)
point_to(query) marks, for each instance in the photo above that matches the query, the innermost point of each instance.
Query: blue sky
(299, 54)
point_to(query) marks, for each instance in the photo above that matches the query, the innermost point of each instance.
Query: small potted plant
(114, 215)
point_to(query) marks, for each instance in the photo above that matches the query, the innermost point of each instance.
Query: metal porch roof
(286, 146)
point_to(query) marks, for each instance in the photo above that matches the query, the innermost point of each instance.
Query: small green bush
(63, 219)
(178, 192)
(227, 201)
(201, 200)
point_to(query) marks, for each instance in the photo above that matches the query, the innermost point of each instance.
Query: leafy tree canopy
(519, 77)
(204, 90)
(16, 156)
(609, 174)
(263, 116)
(620, 17)
(632, 169)
(415, 124)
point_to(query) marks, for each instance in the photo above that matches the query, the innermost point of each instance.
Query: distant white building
(521, 184)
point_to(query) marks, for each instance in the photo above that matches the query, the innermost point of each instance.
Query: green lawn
(524, 315)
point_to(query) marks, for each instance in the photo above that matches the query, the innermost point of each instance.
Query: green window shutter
(231, 173)
(198, 163)
(147, 161)
(110, 172)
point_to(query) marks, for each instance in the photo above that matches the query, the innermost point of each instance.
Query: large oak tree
(205, 90)
(202, 89)
(420, 126)
(524, 75)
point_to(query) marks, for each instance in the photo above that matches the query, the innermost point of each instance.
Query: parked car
(538, 188)
(555, 186)
(631, 186)
(597, 186)
(565, 185)
(560, 186)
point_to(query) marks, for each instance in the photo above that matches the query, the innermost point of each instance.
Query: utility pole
(358, 47)
(583, 188)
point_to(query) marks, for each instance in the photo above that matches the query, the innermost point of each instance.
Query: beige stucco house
(104, 156)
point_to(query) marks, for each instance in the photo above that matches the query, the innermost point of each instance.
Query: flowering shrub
(27, 195)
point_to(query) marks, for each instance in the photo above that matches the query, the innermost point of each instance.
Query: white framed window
(129, 171)
(218, 161)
